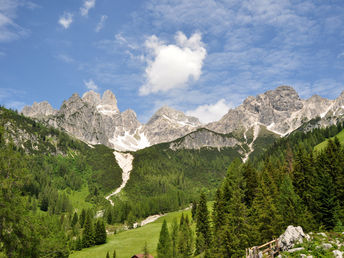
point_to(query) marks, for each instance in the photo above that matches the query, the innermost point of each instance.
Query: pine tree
(145, 250)
(82, 218)
(266, 218)
(107, 255)
(250, 175)
(164, 245)
(114, 254)
(174, 237)
(78, 244)
(194, 209)
(219, 217)
(88, 233)
(203, 234)
(238, 229)
(185, 239)
(100, 233)
(74, 219)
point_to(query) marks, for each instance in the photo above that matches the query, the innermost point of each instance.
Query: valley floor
(130, 242)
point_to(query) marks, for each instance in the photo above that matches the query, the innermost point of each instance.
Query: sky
(200, 57)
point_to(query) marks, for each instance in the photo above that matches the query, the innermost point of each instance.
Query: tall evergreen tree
(185, 239)
(88, 233)
(203, 234)
(100, 233)
(74, 219)
(267, 219)
(164, 244)
(82, 218)
(194, 209)
(237, 224)
(174, 237)
(251, 181)
(145, 250)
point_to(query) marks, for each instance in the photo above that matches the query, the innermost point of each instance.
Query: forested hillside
(291, 184)
(43, 173)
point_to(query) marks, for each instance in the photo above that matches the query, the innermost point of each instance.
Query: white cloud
(212, 112)
(66, 20)
(9, 29)
(101, 23)
(91, 85)
(65, 58)
(173, 66)
(88, 4)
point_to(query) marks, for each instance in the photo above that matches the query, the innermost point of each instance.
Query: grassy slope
(322, 145)
(131, 242)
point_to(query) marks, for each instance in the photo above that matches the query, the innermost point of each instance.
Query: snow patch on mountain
(130, 142)
(125, 162)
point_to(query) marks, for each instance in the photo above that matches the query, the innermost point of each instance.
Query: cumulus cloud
(101, 23)
(66, 20)
(91, 85)
(173, 66)
(88, 4)
(65, 58)
(212, 112)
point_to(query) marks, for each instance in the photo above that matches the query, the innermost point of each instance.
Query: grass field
(323, 145)
(77, 198)
(128, 243)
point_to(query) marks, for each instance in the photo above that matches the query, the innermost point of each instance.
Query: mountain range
(96, 119)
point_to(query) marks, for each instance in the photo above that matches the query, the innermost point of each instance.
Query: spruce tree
(107, 255)
(88, 233)
(145, 250)
(238, 229)
(100, 233)
(174, 237)
(82, 218)
(185, 239)
(164, 245)
(74, 219)
(266, 218)
(194, 209)
(250, 176)
(114, 254)
(203, 234)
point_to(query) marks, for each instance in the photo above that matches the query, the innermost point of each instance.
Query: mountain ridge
(97, 120)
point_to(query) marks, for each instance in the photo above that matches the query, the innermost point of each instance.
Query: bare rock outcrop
(292, 235)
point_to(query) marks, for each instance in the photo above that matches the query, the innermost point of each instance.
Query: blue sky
(201, 57)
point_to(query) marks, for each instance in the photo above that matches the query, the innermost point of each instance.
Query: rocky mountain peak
(171, 115)
(284, 98)
(92, 98)
(39, 109)
(108, 104)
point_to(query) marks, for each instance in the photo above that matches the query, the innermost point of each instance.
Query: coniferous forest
(291, 183)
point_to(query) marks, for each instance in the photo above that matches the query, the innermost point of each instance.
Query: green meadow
(130, 242)
(323, 144)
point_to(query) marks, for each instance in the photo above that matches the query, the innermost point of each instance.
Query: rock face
(168, 124)
(96, 119)
(39, 110)
(280, 110)
(204, 138)
(337, 254)
(292, 235)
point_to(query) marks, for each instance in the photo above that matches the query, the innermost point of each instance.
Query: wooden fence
(269, 249)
